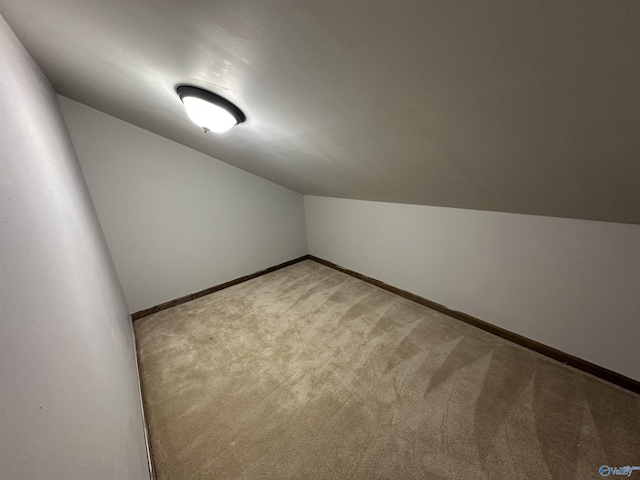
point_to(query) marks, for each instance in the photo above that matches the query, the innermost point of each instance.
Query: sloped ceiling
(517, 106)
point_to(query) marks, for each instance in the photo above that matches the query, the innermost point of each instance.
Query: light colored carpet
(308, 373)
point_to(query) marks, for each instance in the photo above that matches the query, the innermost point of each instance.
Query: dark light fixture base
(206, 95)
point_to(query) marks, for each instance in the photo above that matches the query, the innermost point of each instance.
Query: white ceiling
(517, 106)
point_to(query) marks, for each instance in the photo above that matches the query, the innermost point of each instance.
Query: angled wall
(69, 398)
(569, 284)
(178, 221)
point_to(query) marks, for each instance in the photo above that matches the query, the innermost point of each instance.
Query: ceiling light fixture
(208, 110)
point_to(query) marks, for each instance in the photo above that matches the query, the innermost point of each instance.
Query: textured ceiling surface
(517, 106)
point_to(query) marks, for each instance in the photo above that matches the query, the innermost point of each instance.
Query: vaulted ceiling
(517, 106)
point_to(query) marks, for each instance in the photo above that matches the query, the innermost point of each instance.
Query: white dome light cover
(208, 110)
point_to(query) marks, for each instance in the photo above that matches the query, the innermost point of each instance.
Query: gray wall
(570, 284)
(178, 221)
(69, 399)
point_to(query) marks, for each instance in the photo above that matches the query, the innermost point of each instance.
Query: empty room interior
(319, 240)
